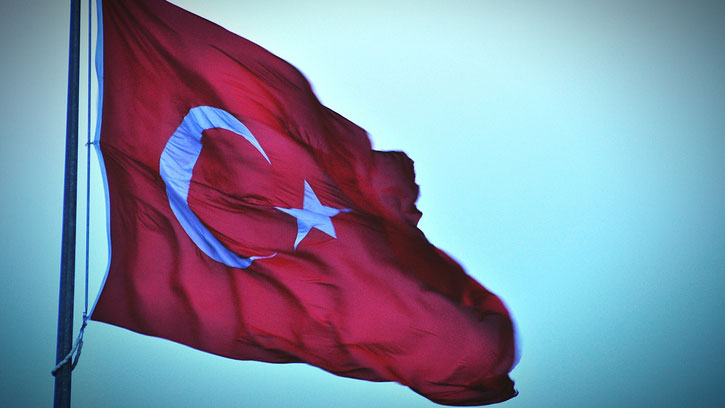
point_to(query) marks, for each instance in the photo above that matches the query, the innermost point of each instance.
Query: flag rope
(78, 344)
(88, 159)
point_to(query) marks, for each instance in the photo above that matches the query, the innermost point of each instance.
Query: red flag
(249, 221)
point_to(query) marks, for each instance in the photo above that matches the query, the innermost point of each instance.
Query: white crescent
(177, 164)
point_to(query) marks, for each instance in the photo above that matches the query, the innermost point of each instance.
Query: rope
(78, 344)
(88, 156)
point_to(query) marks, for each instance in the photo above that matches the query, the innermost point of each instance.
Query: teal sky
(570, 155)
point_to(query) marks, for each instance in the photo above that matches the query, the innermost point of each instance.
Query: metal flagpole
(68, 246)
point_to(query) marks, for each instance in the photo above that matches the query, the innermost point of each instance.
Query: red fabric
(379, 302)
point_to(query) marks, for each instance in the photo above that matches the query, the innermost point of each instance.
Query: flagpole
(68, 246)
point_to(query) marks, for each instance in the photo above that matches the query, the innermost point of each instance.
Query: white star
(313, 215)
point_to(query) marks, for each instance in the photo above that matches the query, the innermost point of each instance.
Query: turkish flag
(249, 221)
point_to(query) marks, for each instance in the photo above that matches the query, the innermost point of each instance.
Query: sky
(570, 156)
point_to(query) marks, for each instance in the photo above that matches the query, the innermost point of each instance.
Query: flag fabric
(249, 221)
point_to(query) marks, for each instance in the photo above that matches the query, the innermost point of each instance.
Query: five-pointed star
(312, 215)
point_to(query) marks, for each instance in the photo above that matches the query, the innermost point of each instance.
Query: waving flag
(249, 221)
